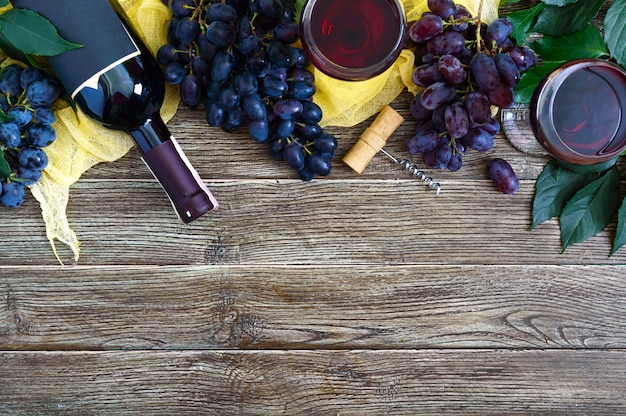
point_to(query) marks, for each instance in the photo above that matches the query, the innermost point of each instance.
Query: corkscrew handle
(373, 139)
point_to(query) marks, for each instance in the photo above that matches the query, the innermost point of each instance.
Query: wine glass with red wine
(576, 114)
(353, 39)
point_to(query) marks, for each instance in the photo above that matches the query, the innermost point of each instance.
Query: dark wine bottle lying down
(115, 80)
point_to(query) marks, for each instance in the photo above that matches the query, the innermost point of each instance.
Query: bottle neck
(151, 134)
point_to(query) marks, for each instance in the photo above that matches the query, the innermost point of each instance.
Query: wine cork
(373, 139)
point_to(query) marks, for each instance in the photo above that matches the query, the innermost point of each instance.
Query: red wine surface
(355, 33)
(587, 110)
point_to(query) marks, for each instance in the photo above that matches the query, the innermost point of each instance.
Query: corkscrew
(372, 141)
(415, 171)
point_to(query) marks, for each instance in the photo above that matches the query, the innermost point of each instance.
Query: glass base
(515, 122)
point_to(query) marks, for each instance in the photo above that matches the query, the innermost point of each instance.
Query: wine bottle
(114, 79)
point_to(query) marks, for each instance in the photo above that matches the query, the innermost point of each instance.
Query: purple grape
(460, 18)
(492, 126)
(427, 74)
(288, 108)
(426, 28)
(498, 31)
(456, 161)
(478, 139)
(478, 107)
(254, 107)
(293, 154)
(319, 164)
(417, 109)
(222, 12)
(287, 32)
(229, 98)
(284, 128)
(166, 54)
(424, 140)
(259, 130)
(502, 96)
(446, 43)
(503, 176)
(12, 194)
(437, 94)
(442, 8)
(457, 120)
(10, 134)
(326, 144)
(29, 75)
(452, 69)
(523, 57)
(214, 113)
(509, 73)
(32, 157)
(10, 84)
(174, 73)
(188, 30)
(182, 8)
(40, 135)
(43, 92)
(311, 112)
(439, 157)
(191, 90)
(485, 72)
(301, 90)
(220, 33)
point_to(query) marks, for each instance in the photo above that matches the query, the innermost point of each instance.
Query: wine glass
(353, 40)
(576, 114)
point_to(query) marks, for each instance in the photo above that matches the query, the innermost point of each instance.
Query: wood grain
(283, 307)
(290, 222)
(452, 382)
(350, 295)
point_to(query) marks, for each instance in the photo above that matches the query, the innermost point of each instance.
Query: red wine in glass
(577, 112)
(353, 39)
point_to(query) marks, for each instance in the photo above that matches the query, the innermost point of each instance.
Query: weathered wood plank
(326, 222)
(472, 382)
(307, 308)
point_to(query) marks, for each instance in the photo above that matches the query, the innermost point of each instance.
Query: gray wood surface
(350, 295)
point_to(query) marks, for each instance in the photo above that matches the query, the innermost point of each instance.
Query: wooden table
(349, 295)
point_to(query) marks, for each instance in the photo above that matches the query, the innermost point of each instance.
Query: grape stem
(479, 40)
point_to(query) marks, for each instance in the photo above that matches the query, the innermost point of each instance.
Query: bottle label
(84, 22)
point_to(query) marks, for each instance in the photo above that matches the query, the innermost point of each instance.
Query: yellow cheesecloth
(81, 143)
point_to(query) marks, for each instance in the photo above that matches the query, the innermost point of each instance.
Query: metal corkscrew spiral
(415, 171)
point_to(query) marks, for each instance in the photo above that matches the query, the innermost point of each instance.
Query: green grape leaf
(5, 168)
(503, 2)
(590, 210)
(530, 79)
(523, 21)
(4, 3)
(620, 234)
(615, 32)
(559, 2)
(554, 187)
(558, 21)
(32, 34)
(299, 7)
(587, 43)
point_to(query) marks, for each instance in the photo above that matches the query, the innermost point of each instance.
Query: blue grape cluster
(26, 128)
(465, 67)
(238, 59)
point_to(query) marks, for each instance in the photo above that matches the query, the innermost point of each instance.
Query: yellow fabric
(81, 143)
(348, 103)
